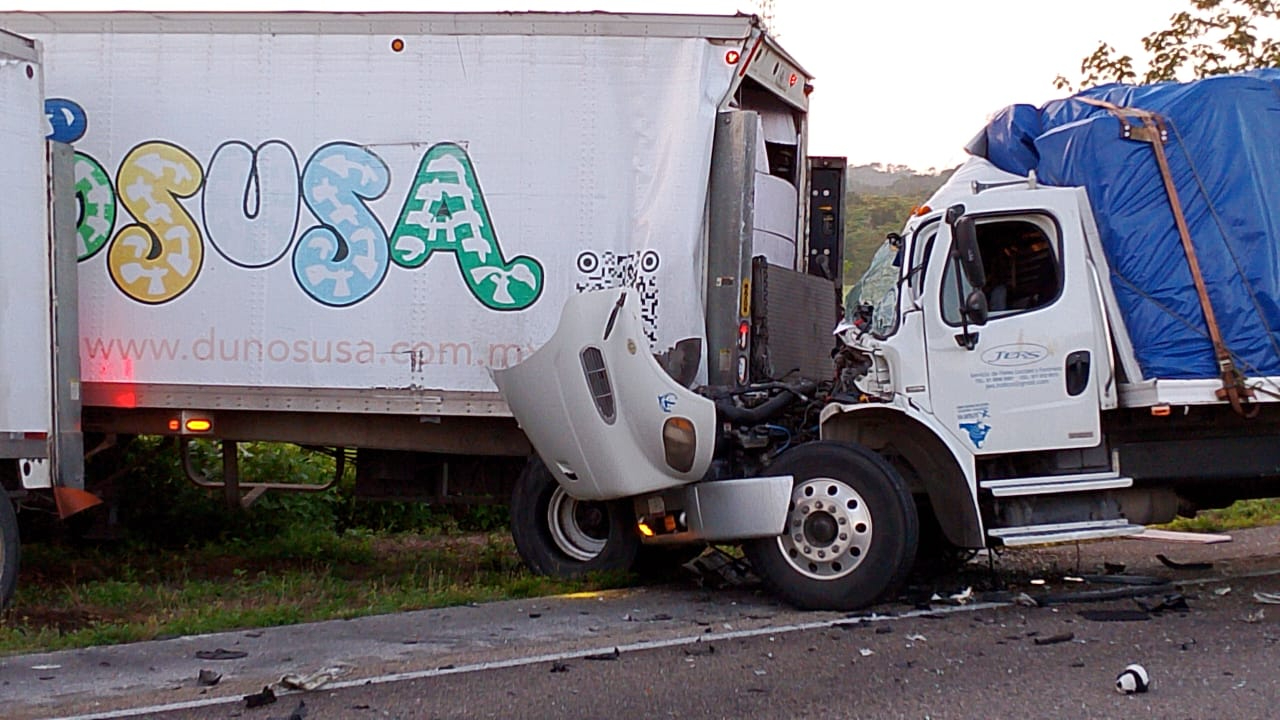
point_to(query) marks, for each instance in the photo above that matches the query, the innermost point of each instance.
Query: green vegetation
(1240, 515)
(75, 597)
(878, 201)
(1210, 37)
(186, 564)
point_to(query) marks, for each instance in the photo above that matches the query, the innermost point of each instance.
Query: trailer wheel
(9, 549)
(560, 536)
(851, 529)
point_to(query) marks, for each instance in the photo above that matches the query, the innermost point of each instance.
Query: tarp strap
(1145, 126)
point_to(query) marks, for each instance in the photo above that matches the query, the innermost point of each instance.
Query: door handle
(1077, 372)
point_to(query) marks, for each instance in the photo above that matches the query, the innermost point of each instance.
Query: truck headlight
(680, 442)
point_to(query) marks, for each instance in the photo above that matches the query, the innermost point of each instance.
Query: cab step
(1064, 532)
(1051, 484)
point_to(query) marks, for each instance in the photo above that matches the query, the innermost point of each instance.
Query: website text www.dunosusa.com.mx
(210, 347)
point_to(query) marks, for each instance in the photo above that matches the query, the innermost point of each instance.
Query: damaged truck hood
(603, 415)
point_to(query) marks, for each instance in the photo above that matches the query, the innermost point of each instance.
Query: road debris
(1267, 598)
(1055, 639)
(917, 637)
(1254, 617)
(718, 569)
(1133, 679)
(208, 678)
(319, 678)
(1183, 565)
(221, 654)
(260, 699)
(1222, 591)
(559, 667)
(1173, 601)
(605, 656)
(700, 648)
(866, 652)
(1025, 600)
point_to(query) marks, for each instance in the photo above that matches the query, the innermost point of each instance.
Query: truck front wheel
(8, 549)
(851, 530)
(560, 536)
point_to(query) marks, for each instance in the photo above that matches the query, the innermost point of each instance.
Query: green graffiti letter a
(445, 211)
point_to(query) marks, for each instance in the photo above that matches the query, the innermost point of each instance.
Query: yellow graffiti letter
(158, 257)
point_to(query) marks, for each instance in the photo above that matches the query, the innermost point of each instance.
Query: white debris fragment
(1025, 600)
(298, 681)
(917, 638)
(962, 597)
(1133, 679)
(1222, 591)
(866, 652)
(1267, 598)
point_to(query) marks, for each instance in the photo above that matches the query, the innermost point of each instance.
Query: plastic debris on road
(1133, 679)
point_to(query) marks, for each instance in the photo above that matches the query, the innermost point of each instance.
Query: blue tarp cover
(1224, 153)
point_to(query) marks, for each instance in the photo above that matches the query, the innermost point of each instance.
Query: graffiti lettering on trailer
(251, 199)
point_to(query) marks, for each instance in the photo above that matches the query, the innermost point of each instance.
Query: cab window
(1020, 257)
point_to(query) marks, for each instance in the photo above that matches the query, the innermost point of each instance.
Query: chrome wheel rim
(828, 529)
(579, 529)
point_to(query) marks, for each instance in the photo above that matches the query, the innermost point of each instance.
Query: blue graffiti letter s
(344, 259)
(67, 120)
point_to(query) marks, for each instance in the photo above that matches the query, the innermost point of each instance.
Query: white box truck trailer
(327, 228)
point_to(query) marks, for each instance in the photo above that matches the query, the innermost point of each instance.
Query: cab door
(1027, 379)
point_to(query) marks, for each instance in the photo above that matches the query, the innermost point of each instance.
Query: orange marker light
(732, 57)
(397, 45)
(1161, 411)
(199, 425)
(174, 425)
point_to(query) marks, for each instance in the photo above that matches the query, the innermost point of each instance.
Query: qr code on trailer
(637, 270)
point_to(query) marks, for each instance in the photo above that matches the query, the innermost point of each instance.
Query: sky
(904, 82)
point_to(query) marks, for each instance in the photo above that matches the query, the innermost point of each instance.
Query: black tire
(10, 549)
(559, 536)
(856, 526)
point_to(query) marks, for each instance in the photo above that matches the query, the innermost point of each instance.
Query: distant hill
(885, 180)
(878, 200)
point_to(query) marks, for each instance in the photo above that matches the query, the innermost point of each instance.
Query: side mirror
(975, 309)
(965, 246)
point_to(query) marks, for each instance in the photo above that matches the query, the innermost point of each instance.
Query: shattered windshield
(873, 301)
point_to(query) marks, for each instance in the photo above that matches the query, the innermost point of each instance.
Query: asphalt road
(689, 652)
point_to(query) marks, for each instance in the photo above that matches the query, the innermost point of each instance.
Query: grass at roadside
(1240, 515)
(72, 597)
